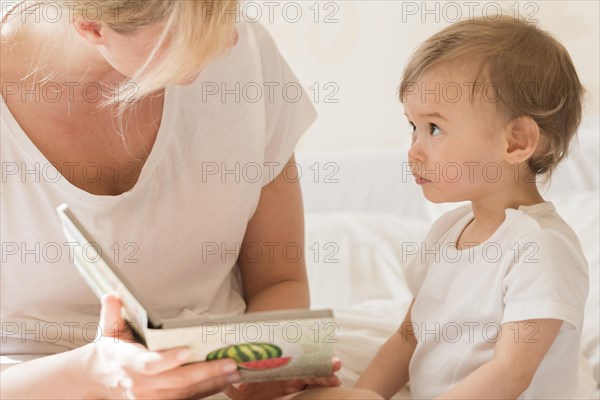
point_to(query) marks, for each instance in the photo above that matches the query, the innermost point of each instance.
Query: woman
(137, 114)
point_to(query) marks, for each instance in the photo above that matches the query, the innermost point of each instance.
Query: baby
(500, 284)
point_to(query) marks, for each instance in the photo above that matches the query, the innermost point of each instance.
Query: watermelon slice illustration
(252, 356)
(269, 363)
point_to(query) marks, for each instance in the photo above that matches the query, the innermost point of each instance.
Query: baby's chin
(440, 198)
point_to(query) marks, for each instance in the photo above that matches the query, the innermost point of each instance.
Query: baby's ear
(91, 31)
(522, 139)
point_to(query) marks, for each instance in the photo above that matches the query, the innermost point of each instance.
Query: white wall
(365, 45)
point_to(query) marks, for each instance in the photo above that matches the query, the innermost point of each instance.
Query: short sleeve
(548, 279)
(289, 110)
(414, 274)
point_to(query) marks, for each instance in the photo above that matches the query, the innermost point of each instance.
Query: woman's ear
(522, 139)
(90, 31)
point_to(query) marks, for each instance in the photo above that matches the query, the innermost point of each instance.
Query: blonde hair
(194, 32)
(531, 71)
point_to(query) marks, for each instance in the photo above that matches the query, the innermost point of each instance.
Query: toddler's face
(457, 140)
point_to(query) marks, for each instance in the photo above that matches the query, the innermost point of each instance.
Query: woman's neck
(28, 55)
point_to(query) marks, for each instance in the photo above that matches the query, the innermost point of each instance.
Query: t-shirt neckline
(510, 213)
(163, 134)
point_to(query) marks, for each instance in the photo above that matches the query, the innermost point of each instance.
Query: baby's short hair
(531, 71)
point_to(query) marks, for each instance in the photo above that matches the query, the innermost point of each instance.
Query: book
(267, 346)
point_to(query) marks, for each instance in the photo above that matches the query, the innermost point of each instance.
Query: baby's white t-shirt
(532, 267)
(176, 235)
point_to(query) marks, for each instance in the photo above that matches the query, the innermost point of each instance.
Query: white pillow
(579, 171)
(581, 211)
(356, 257)
(365, 282)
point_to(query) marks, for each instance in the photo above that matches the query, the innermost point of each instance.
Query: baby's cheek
(472, 173)
(453, 174)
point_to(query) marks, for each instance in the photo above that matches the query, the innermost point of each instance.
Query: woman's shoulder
(257, 30)
(17, 46)
(8, 41)
(256, 38)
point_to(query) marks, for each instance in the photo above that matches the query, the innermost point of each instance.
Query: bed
(361, 207)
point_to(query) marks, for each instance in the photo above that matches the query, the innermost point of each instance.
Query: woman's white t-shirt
(176, 234)
(532, 267)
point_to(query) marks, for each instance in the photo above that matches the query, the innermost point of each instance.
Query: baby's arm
(388, 372)
(517, 355)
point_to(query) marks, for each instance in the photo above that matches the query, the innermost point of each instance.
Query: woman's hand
(120, 368)
(272, 390)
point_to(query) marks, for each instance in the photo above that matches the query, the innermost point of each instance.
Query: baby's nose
(415, 152)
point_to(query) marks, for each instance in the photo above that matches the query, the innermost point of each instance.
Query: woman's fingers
(327, 381)
(213, 385)
(337, 364)
(188, 381)
(154, 363)
(332, 380)
(202, 375)
(234, 391)
(294, 386)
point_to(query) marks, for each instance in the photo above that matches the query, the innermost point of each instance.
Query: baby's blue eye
(435, 130)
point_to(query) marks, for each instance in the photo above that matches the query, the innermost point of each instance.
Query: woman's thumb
(111, 321)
